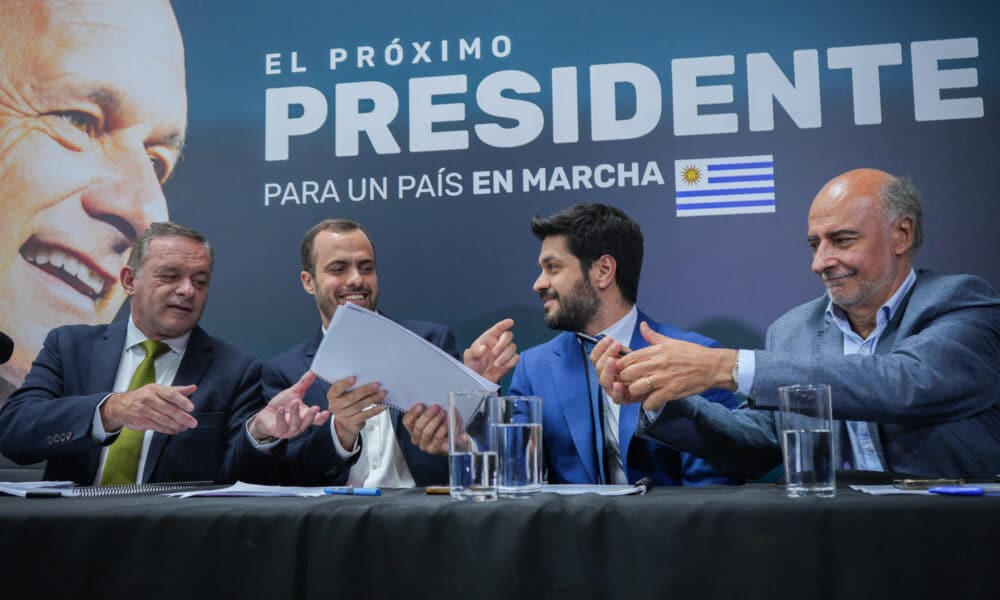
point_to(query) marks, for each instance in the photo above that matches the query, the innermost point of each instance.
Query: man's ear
(902, 236)
(127, 277)
(602, 272)
(307, 283)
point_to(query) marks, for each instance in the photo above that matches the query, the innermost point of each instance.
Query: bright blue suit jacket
(556, 371)
(51, 416)
(312, 458)
(931, 391)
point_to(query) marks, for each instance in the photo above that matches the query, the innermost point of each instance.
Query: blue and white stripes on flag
(734, 185)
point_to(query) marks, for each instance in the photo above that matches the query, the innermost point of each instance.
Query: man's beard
(576, 309)
(865, 290)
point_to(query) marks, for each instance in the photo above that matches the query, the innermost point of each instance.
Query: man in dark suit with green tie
(153, 397)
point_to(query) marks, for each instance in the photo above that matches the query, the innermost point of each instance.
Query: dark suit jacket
(931, 390)
(50, 417)
(311, 457)
(555, 371)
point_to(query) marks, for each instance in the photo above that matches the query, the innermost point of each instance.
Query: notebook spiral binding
(142, 489)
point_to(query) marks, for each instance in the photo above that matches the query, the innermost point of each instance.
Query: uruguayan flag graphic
(734, 185)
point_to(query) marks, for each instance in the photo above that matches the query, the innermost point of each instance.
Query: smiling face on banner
(92, 120)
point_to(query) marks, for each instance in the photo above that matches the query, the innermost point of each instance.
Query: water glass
(517, 434)
(472, 457)
(806, 425)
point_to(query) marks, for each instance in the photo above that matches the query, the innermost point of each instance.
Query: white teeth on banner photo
(732, 185)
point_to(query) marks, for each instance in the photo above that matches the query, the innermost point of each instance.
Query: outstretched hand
(494, 352)
(287, 415)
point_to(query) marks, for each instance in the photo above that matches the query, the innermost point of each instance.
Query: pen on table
(962, 490)
(438, 490)
(591, 339)
(352, 491)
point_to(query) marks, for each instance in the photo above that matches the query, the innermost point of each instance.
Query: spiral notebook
(373, 348)
(56, 489)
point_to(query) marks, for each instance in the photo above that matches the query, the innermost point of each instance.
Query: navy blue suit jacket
(51, 416)
(312, 458)
(555, 371)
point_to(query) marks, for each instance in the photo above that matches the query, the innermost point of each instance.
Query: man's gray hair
(901, 200)
(165, 229)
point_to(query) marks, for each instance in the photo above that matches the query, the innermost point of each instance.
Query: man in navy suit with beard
(364, 445)
(590, 261)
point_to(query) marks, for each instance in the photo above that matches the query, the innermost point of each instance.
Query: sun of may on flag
(734, 185)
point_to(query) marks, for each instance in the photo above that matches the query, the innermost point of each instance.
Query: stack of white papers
(412, 370)
(254, 490)
(22, 488)
(573, 489)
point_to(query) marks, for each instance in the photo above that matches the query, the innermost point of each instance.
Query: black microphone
(6, 347)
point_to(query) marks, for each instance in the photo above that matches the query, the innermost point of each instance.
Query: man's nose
(822, 259)
(185, 287)
(355, 278)
(127, 195)
(541, 283)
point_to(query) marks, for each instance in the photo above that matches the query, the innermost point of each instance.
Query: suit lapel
(197, 359)
(570, 384)
(628, 415)
(885, 344)
(106, 355)
(317, 391)
(829, 339)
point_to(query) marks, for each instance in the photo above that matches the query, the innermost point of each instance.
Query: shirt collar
(885, 312)
(134, 337)
(622, 330)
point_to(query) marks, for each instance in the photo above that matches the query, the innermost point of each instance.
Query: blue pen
(349, 491)
(961, 490)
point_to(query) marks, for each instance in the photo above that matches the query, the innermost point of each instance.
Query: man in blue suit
(196, 413)
(590, 261)
(911, 357)
(363, 445)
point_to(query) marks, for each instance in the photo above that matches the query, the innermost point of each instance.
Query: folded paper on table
(373, 348)
(241, 489)
(575, 489)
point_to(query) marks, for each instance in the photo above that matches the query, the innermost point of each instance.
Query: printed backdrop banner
(443, 127)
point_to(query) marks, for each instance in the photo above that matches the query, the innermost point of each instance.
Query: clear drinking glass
(806, 421)
(472, 457)
(517, 433)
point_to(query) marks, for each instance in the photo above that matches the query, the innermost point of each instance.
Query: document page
(376, 349)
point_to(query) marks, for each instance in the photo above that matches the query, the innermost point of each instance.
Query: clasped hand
(666, 370)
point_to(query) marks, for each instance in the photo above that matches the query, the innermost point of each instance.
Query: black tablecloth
(716, 542)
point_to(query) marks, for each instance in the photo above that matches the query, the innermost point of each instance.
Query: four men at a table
(912, 358)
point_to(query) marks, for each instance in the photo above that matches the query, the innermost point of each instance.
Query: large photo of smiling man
(92, 116)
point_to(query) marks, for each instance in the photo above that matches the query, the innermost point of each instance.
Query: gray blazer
(931, 391)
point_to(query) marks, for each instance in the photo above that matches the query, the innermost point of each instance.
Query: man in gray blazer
(913, 358)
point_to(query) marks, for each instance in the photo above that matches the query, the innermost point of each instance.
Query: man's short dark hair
(164, 229)
(334, 225)
(593, 230)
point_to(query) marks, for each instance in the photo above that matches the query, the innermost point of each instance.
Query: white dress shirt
(380, 462)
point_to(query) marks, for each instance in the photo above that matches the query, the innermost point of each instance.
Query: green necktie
(122, 461)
